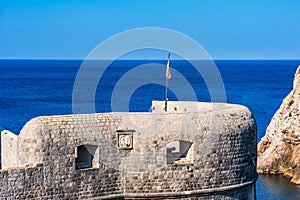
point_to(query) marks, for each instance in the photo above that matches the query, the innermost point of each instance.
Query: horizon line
(82, 59)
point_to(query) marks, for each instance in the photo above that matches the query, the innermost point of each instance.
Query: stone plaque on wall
(125, 139)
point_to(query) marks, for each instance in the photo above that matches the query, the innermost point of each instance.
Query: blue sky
(232, 29)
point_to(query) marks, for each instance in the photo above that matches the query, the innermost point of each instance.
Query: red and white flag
(168, 71)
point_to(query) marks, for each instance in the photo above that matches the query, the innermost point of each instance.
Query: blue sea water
(30, 88)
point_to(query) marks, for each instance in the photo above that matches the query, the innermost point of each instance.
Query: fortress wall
(221, 165)
(53, 174)
(224, 154)
(37, 183)
(22, 183)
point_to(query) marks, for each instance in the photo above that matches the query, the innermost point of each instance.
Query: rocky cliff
(279, 149)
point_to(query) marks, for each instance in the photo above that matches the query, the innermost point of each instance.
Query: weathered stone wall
(38, 183)
(54, 175)
(222, 163)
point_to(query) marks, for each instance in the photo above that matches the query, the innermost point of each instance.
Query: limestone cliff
(279, 149)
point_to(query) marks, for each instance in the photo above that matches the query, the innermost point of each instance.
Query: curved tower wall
(201, 150)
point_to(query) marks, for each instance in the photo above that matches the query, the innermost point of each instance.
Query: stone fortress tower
(193, 151)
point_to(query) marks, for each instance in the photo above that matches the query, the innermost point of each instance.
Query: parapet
(189, 107)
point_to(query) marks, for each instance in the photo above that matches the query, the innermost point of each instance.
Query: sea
(31, 88)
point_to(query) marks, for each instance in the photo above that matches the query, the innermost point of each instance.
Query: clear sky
(230, 29)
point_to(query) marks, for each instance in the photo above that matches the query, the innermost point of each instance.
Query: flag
(168, 72)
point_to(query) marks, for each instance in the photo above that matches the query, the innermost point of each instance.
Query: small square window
(180, 152)
(86, 156)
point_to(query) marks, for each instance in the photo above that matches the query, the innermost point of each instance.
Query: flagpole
(168, 76)
(166, 100)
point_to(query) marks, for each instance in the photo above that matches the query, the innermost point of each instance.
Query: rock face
(279, 149)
